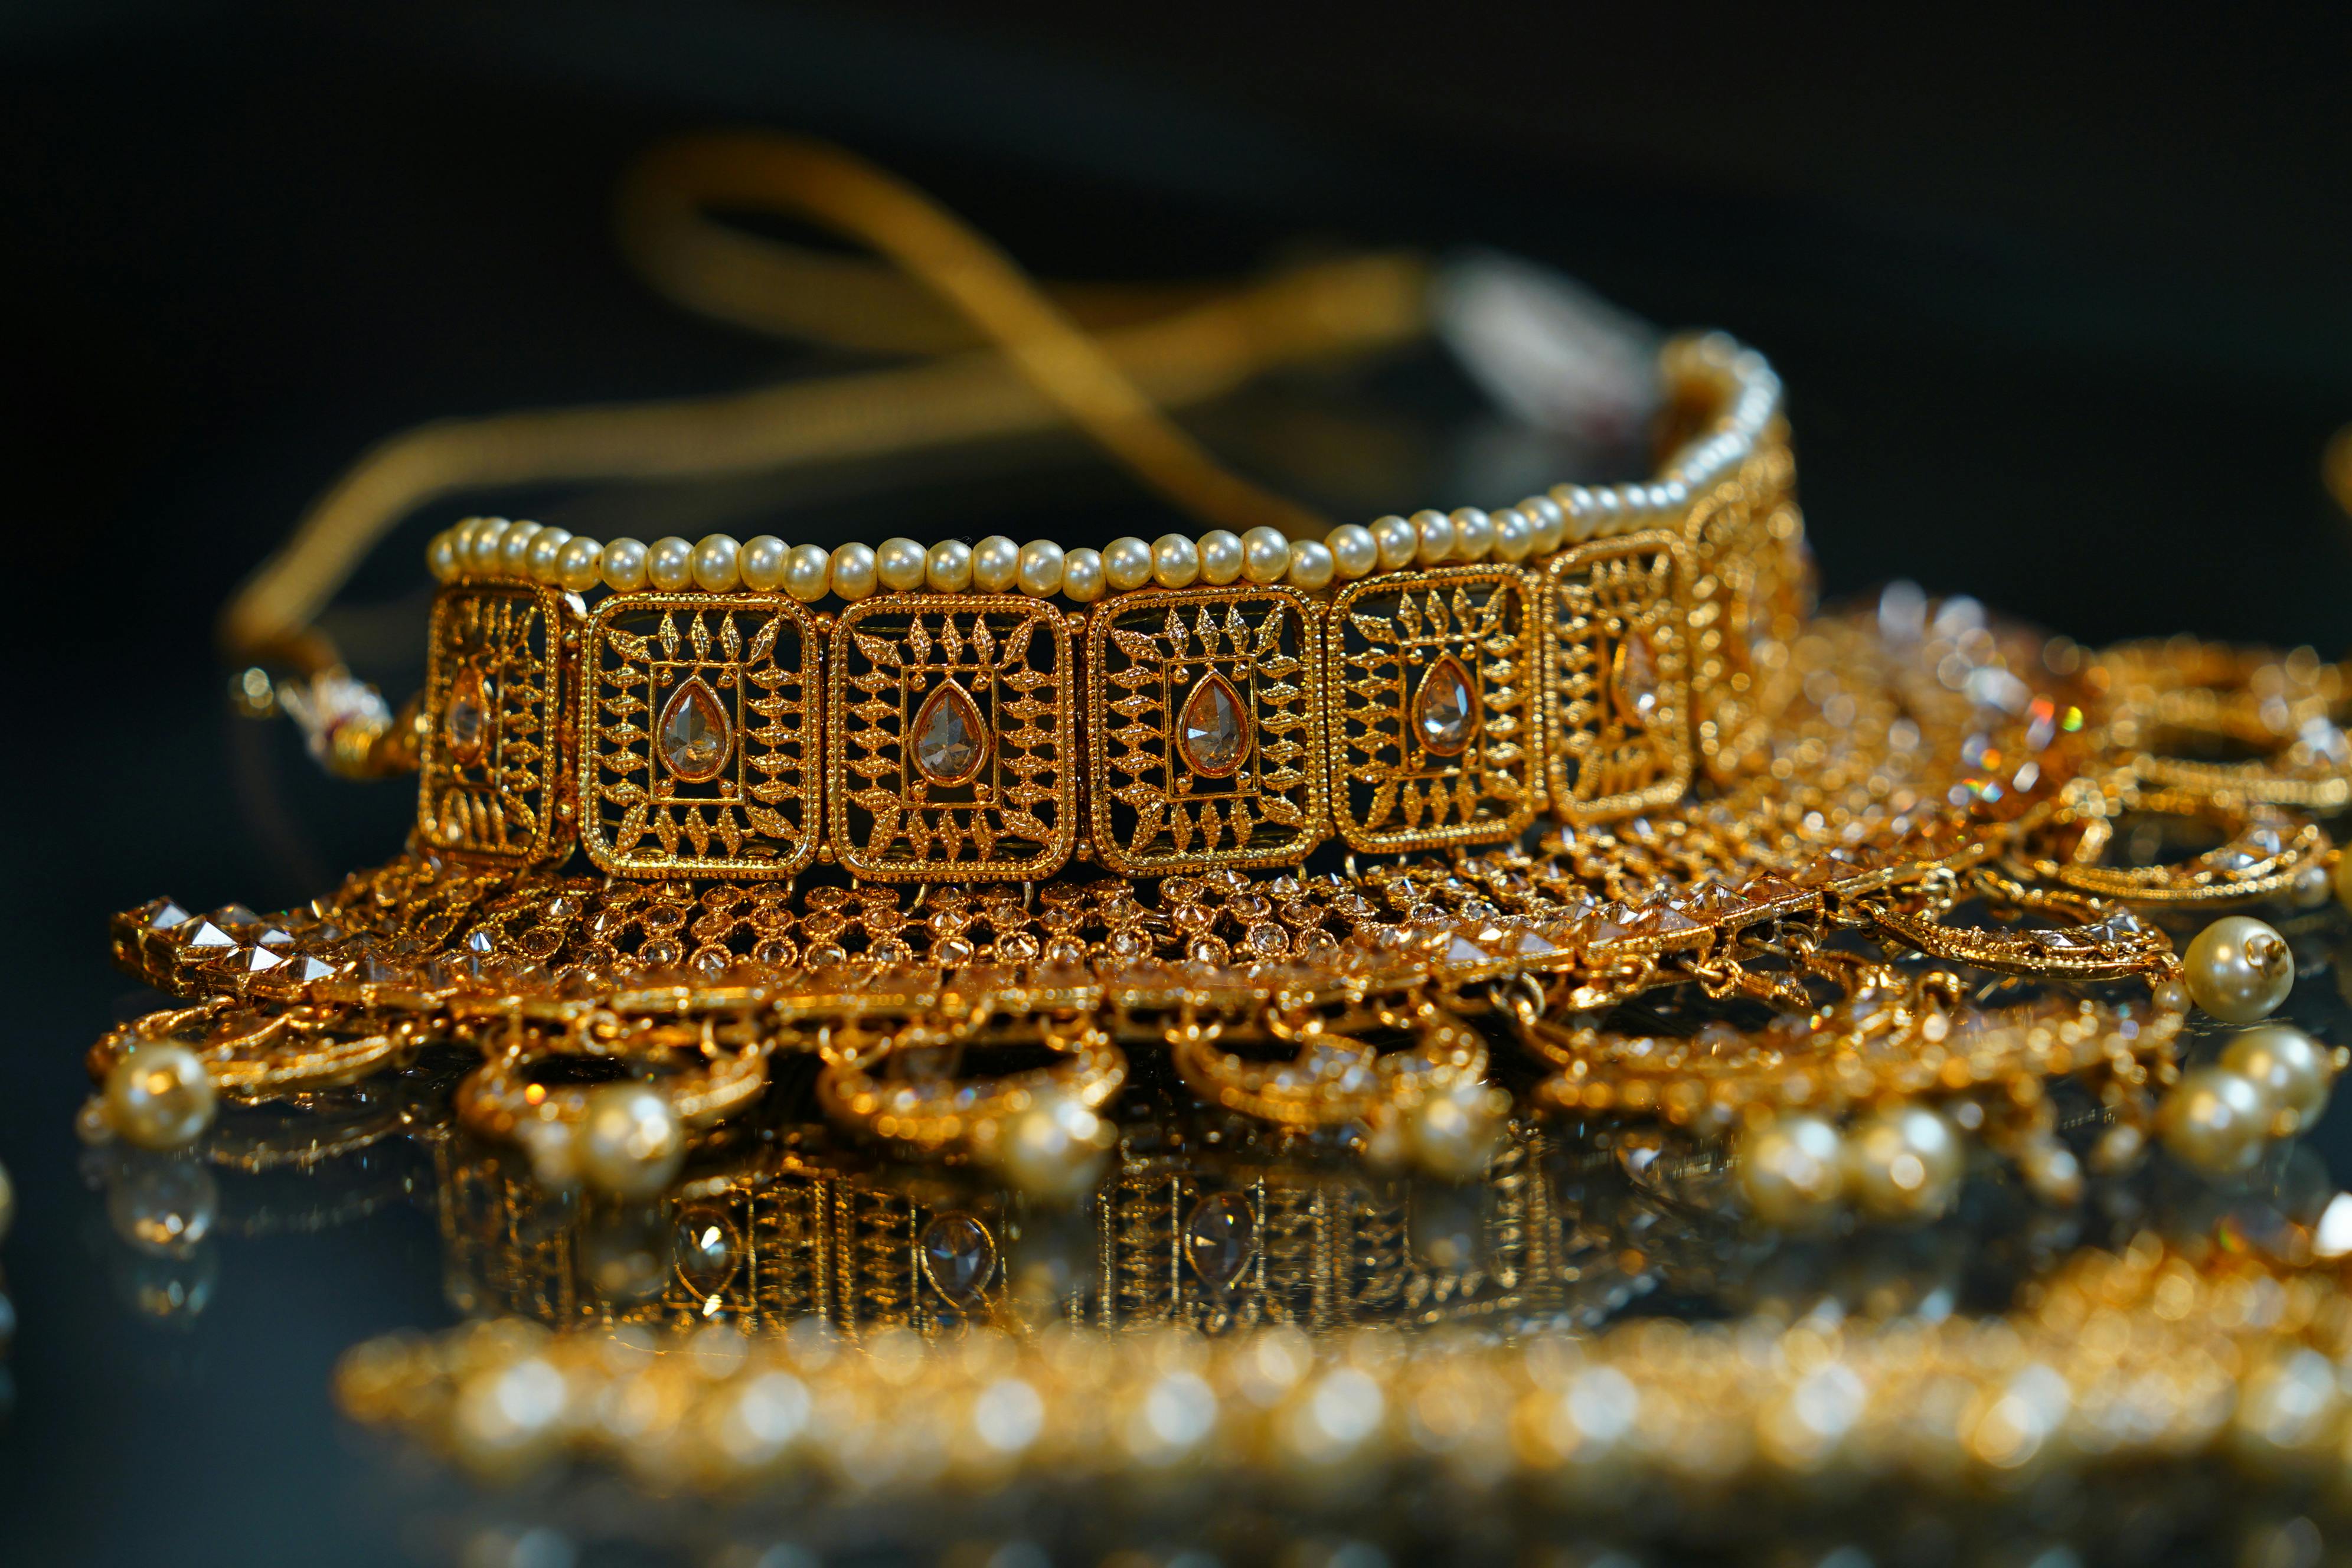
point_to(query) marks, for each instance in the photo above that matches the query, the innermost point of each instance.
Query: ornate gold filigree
(1619, 737)
(1207, 731)
(491, 766)
(701, 726)
(955, 751)
(1433, 692)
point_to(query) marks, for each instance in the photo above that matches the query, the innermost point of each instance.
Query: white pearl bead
(850, 573)
(1578, 514)
(1791, 1170)
(1515, 536)
(2311, 888)
(1265, 555)
(762, 562)
(1432, 536)
(2215, 1121)
(669, 563)
(1053, 1150)
(579, 564)
(545, 546)
(514, 549)
(1126, 564)
(625, 565)
(1396, 539)
(1354, 552)
(1549, 520)
(808, 573)
(160, 1097)
(1175, 560)
(1082, 576)
(2239, 969)
(1311, 564)
(441, 556)
(1473, 535)
(482, 550)
(718, 564)
(630, 1141)
(1454, 1135)
(995, 564)
(901, 563)
(1905, 1162)
(2290, 1068)
(946, 567)
(1221, 557)
(1040, 574)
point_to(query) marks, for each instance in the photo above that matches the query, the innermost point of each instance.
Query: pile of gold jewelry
(1394, 840)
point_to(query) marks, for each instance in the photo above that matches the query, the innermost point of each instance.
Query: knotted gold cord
(1009, 357)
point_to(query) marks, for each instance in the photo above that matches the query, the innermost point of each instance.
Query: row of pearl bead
(718, 563)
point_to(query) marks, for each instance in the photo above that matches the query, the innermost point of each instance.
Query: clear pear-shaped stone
(951, 742)
(707, 1250)
(960, 1255)
(1445, 710)
(1213, 729)
(465, 721)
(1636, 677)
(1220, 1237)
(693, 734)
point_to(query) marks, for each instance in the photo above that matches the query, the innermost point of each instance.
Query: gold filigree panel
(1751, 595)
(1207, 731)
(956, 751)
(1620, 691)
(1432, 691)
(700, 735)
(491, 766)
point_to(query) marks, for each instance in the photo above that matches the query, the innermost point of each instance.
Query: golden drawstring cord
(1008, 358)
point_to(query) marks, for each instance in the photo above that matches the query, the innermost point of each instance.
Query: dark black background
(2065, 304)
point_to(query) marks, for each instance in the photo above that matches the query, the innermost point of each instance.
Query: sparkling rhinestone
(708, 1252)
(166, 918)
(694, 734)
(1220, 1238)
(1636, 677)
(950, 742)
(1446, 711)
(466, 722)
(960, 1257)
(1214, 733)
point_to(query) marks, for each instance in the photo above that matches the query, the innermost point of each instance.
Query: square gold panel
(1433, 691)
(701, 736)
(1206, 731)
(1752, 593)
(955, 755)
(490, 774)
(1620, 701)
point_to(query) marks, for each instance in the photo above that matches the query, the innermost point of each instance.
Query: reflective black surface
(2062, 308)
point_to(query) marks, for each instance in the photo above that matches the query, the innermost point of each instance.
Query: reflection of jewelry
(2121, 1359)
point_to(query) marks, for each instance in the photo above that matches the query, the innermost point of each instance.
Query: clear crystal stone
(960, 1257)
(694, 734)
(949, 742)
(1636, 677)
(1220, 1237)
(1444, 712)
(466, 722)
(707, 1253)
(1213, 732)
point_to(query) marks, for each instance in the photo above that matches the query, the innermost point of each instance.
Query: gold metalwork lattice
(700, 735)
(1620, 678)
(1431, 691)
(490, 760)
(1208, 738)
(954, 756)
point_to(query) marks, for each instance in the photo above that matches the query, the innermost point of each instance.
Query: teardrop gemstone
(707, 1251)
(465, 721)
(1213, 729)
(1220, 1238)
(960, 1255)
(694, 734)
(1446, 711)
(950, 742)
(1636, 677)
